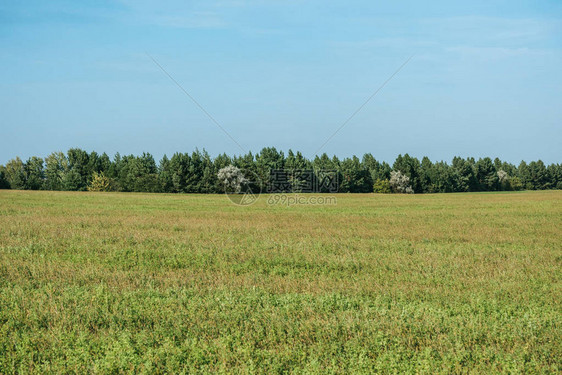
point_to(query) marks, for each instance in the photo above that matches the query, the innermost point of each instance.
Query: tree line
(78, 170)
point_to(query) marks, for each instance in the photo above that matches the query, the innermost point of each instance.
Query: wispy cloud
(483, 54)
(504, 30)
(478, 38)
(197, 20)
(385, 42)
(192, 15)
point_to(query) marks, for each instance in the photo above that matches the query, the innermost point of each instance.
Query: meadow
(162, 283)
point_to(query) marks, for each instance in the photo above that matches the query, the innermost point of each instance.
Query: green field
(148, 283)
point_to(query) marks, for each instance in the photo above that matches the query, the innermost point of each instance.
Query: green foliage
(538, 175)
(72, 180)
(209, 180)
(179, 167)
(515, 183)
(487, 175)
(197, 172)
(4, 183)
(99, 182)
(34, 174)
(382, 186)
(466, 175)
(56, 166)
(377, 170)
(79, 171)
(15, 173)
(165, 175)
(355, 178)
(410, 167)
(297, 164)
(270, 159)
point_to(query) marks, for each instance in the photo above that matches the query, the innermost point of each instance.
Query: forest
(196, 172)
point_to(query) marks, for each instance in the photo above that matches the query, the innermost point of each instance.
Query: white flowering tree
(400, 183)
(231, 178)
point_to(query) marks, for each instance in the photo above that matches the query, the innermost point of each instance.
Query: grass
(146, 283)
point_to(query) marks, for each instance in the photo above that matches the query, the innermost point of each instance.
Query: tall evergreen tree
(464, 172)
(443, 178)
(165, 176)
(209, 181)
(179, 164)
(194, 173)
(487, 175)
(355, 178)
(410, 167)
(300, 171)
(538, 175)
(79, 170)
(524, 174)
(268, 159)
(142, 174)
(220, 162)
(428, 177)
(377, 170)
(555, 176)
(247, 164)
(4, 184)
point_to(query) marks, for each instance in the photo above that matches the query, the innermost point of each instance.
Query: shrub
(400, 183)
(515, 183)
(231, 178)
(99, 182)
(381, 186)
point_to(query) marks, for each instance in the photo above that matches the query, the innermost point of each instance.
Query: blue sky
(485, 79)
